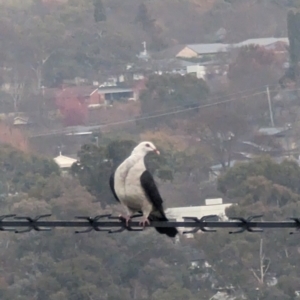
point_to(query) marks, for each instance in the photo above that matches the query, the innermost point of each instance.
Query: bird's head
(145, 147)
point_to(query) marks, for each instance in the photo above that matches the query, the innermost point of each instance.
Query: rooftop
(64, 161)
(111, 90)
(262, 41)
(272, 130)
(196, 211)
(208, 48)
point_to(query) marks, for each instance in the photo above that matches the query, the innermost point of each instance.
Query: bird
(134, 187)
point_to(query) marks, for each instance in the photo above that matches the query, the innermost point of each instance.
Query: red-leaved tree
(254, 67)
(72, 107)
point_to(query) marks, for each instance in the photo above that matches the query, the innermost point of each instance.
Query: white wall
(199, 70)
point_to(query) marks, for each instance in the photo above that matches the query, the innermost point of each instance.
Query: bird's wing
(151, 190)
(112, 185)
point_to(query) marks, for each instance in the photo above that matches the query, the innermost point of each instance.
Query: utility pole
(270, 106)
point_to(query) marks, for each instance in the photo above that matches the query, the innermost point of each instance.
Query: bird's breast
(129, 189)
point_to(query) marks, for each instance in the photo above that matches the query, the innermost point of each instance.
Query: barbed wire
(107, 223)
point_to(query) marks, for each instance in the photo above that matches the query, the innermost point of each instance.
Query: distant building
(111, 94)
(276, 44)
(284, 136)
(198, 70)
(210, 51)
(83, 93)
(216, 170)
(207, 51)
(21, 121)
(64, 162)
(212, 207)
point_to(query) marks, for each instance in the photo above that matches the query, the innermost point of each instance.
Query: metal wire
(106, 223)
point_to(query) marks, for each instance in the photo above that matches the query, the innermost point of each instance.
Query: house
(202, 51)
(282, 134)
(216, 170)
(211, 207)
(111, 94)
(207, 52)
(198, 70)
(279, 46)
(64, 162)
(21, 121)
(276, 44)
(83, 93)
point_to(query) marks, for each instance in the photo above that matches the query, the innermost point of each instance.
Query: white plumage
(128, 187)
(134, 187)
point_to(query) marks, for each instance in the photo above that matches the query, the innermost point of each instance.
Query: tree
(14, 137)
(177, 156)
(293, 22)
(165, 93)
(251, 263)
(72, 107)
(21, 172)
(48, 44)
(99, 11)
(118, 150)
(56, 40)
(97, 163)
(143, 17)
(285, 174)
(220, 130)
(93, 170)
(254, 67)
(53, 266)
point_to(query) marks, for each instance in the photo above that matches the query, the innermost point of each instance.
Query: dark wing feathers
(112, 185)
(151, 191)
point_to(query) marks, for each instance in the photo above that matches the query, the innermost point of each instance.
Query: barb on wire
(297, 223)
(4, 228)
(246, 224)
(200, 224)
(32, 224)
(92, 223)
(106, 223)
(123, 224)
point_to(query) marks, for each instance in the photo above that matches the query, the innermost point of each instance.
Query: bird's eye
(147, 145)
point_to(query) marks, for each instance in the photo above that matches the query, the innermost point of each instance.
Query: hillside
(195, 21)
(68, 29)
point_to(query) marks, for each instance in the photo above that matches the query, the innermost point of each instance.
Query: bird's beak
(157, 152)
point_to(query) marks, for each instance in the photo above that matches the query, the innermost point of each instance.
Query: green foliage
(99, 11)
(20, 172)
(251, 262)
(97, 163)
(61, 265)
(93, 170)
(118, 150)
(169, 91)
(166, 92)
(55, 42)
(262, 65)
(293, 22)
(143, 17)
(286, 174)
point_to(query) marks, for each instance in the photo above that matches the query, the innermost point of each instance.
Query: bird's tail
(169, 231)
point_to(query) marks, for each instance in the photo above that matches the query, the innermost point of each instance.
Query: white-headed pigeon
(134, 187)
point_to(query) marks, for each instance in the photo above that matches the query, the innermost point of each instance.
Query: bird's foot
(126, 219)
(144, 222)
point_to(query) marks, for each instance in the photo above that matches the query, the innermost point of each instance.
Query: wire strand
(162, 113)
